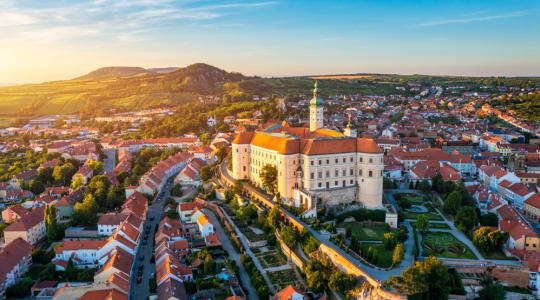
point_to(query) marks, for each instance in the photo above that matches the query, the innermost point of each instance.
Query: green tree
(70, 273)
(422, 223)
(176, 191)
(429, 277)
(289, 235)
(64, 173)
(45, 175)
(491, 291)
(268, 177)
(206, 173)
(221, 153)
(84, 212)
(399, 253)
(36, 187)
(205, 138)
(452, 203)
(389, 240)
(209, 266)
(77, 182)
(274, 217)
(98, 188)
(466, 219)
(97, 166)
(247, 212)
(341, 282)
(238, 188)
(229, 196)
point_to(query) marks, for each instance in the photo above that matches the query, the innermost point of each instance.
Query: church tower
(349, 131)
(316, 109)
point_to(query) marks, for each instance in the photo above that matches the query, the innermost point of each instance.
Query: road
(227, 246)
(110, 162)
(140, 291)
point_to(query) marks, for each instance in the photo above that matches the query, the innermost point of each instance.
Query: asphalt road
(140, 291)
(109, 162)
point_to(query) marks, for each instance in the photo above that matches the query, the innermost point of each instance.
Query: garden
(444, 244)
(281, 279)
(410, 197)
(431, 215)
(435, 225)
(368, 231)
(271, 259)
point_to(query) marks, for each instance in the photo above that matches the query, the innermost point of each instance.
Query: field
(367, 231)
(444, 244)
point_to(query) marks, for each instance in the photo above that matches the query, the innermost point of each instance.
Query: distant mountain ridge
(121, 71)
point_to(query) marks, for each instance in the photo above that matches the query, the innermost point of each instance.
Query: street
(110, 162)
(140, 291)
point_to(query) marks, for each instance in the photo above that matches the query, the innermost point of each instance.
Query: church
(316, 166)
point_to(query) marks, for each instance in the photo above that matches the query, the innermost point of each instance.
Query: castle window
(294, 162)
(351, 159)
(236, 150)
(360, 172)
(244, 168)
(344, 160)
(335, 183)
(344, 182)
(312, 175)
(351, 172)
(319, 175)
(320, 184)
(311, 163)
(352, 181)
(327, 174)
(327, 161)
(336, 160)
(337, 173)
(344, 172)
(327, 185)
(361, 159)
(371, 160)
(370, 173)
(320, 162)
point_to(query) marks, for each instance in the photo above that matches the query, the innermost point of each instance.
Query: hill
(109, 72)
(162, 70)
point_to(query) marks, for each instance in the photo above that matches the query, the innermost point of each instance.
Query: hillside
(110, 72)
(133, 88)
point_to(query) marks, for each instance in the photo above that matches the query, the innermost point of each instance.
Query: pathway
(245, 243)
(109, 162)
(278, 268)
(227, 246)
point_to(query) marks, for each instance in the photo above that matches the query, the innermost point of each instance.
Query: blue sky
(50, 40)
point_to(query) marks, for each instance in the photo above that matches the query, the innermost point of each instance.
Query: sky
(47, 40)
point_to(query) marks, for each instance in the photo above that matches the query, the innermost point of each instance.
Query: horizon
(50, 42)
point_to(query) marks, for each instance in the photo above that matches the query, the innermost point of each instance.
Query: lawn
(431, 216)
(367, 231)
(384, 256)
(445, 244)
(435, 225)
(413, 198)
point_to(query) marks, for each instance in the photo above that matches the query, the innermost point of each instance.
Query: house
(85, 173)
(83, 253)
(522, 236)
(290, 293)
(16, 258)
(171, 289)
(13, 213)
(515, 193)
(205, 226)
(117, 261)
(170, 268)
(531, 207)
(185, 210)
(108, 223)
(30, 228)
(65, 206)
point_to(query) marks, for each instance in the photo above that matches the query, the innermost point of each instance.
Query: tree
(47, 273)
(452, 203)
(97, 166)
(466, 219)
(45, 175)
(289, 235)
(176, 191)
(205, 138)
(425, 277)
(399, 253)
(98, 188)
(238, 188)
(491, 291)
(489, 219)
(422, 223)
(36, 187)
(268, 176)
(206, 173)
(208, 265)
(70, 273)
(84, 212)
(389, 240)
(487, 240)
(229, 196)
(54, 231)
(64, 173)
(317, 272)
(221, 153)
(274, 217)
(341, 282)
(247, 213)
(77, 182)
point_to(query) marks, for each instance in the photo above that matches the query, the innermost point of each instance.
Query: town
(433, 190)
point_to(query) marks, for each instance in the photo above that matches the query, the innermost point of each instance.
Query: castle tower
(316, 118)
(349, 131)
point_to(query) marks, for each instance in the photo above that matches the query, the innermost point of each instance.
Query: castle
(316, 166)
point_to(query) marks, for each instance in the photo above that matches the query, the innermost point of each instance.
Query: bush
(21, 289)
(363, 214)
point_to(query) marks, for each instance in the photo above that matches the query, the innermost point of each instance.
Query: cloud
(472, 19)
(8, 19)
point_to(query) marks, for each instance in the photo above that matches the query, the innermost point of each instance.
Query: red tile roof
(12, 254)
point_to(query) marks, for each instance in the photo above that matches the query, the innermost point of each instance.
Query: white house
(205, 227)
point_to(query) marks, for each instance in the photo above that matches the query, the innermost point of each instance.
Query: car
(147, 232)
(141, 257)
(145, 242)
(152, 218)
(141, 267)
(139, 279)
(140, 272)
